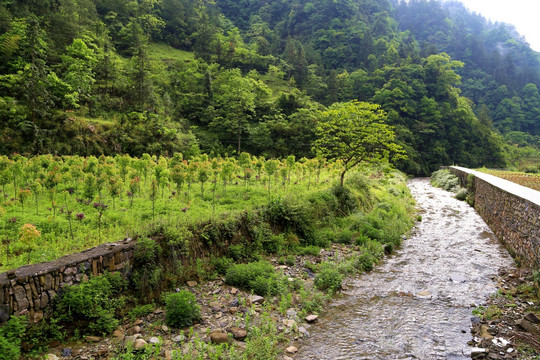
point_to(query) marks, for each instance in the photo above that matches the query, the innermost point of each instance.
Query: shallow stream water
(417, 303)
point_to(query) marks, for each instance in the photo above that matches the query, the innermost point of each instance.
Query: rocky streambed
(418, 304)
(225, 311)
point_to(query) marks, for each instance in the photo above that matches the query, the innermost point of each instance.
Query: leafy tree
(79, 62)
(354, 133)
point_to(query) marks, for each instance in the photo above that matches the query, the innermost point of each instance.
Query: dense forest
(93, 77)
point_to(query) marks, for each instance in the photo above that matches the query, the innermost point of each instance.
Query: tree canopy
(354, 133)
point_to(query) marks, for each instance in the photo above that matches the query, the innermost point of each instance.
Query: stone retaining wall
(31, 289)
(511, 211)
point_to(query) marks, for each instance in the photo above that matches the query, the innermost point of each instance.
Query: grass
(166, 53)
(290, 222)
(74, 214)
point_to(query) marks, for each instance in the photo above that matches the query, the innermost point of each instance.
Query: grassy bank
(294, 250)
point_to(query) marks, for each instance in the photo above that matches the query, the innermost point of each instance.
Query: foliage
(446, 180)
(92, 304)
(355, 133)
(290, 215)
(141, 311)
(171, 76)
(11, 334)
(258, 276)
(328, 279)
(181, 309)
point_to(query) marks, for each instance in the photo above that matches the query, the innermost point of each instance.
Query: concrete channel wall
(512, 211)
(31, 289)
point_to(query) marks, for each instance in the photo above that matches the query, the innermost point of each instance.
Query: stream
(417, 304)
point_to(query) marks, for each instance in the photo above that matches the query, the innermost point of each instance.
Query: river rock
(92, 339)
(191, 283)
(154, 340)
(289, 322)
(256, 299)
(311, 318)
(532, 318)
(215, 306)
(485, 333)
(52, 357)
(130, 340)
(457, 278)
(139, 344)
(219, 337)
(66, 352)
(291, 349)
(291, 313)
(118, 334)
(178, 339)
(238, 333)
(134, 330)
(528, 326)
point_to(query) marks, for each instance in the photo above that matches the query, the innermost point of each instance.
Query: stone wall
(31, 289)
(511, 211)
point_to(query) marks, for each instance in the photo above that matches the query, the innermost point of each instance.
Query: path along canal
(417, 303)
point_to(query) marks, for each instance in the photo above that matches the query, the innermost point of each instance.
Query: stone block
(43, 300)
(19, 293)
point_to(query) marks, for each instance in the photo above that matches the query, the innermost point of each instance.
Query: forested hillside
(163, 76)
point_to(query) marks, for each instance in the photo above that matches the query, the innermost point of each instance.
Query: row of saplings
(94, 307)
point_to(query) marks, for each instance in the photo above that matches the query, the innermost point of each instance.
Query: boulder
(256, 299)
(218, 337)
(238, 333)
(291, 349)
(139, 344)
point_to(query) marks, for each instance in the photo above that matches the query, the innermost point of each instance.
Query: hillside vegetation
(106, 77)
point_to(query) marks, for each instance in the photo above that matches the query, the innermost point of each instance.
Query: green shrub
(11, 334)
(249, 276)
(141, 311)
(347, 202)
(365, 262)
(361, 239)
(323, 204)
(291, 215)
(222, 264)
(269, 285)
(181, 309)
(273, 244)
(445, 179)
(461, 194)
(290, 260)
(345, 237)
(328, 279)
(310, 250)
(91, 305)
(374, 248)
(325, 237)
(146, 252)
